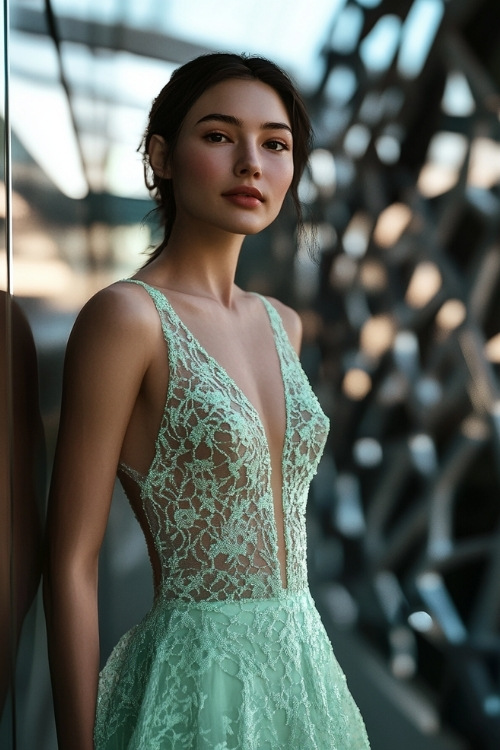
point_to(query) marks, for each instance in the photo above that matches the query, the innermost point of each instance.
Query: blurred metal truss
(409, 299)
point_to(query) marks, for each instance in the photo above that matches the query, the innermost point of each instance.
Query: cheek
(195, 167)
(284, 178)
(282, 168)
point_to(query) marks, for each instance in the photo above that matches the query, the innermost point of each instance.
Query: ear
(158, 156)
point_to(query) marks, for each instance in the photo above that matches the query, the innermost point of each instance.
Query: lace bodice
(207, 499)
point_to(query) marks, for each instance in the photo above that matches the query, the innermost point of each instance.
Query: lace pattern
(207, 496)
(227, 658)
(241, 675)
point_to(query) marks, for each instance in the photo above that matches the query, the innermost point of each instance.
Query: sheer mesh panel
(207, 496)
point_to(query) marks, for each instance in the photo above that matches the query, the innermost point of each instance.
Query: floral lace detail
(207, 496)
(227, 658)
(241, 675)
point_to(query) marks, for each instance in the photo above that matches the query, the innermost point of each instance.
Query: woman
(191, 389)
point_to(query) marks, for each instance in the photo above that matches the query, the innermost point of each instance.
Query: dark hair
(186, 85)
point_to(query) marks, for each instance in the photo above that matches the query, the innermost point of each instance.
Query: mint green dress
(227, 657)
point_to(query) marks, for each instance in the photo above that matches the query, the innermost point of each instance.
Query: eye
(216, 137)
(274, 145)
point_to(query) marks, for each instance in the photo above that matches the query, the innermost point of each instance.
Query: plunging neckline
(248, 403)
(230, 380)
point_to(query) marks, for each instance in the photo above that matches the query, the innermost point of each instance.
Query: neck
(199, 263)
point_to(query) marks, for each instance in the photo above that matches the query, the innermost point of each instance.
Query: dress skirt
(251, 674)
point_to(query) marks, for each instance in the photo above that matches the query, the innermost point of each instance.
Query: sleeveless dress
(227, 657)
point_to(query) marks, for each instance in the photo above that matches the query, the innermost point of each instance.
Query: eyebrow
(231, 120)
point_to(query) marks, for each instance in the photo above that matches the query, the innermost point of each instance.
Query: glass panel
(22, 445)
(6, 609)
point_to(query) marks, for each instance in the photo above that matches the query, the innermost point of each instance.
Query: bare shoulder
(291, 322)
(119, 308)
(119, 320)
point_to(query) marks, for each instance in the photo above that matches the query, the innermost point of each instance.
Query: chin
(250, 228)
(251, 232)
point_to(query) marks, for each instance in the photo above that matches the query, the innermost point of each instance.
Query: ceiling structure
(113, 58)
(83, 74)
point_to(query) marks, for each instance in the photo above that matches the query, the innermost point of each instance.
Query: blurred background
(400, 304)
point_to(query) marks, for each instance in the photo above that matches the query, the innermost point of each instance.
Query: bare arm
(106, 360)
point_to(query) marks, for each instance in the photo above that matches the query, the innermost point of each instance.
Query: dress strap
(280, 335)
(165, 311)
(158, 297)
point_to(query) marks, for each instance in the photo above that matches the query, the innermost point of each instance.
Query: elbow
(67, 578)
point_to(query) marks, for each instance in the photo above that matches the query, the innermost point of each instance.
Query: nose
(248, 162)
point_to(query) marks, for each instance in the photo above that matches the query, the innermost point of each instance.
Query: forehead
(249, 101)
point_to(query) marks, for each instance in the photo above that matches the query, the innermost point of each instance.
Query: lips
(245, 191)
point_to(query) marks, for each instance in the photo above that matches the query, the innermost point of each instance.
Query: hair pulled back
(185, 86)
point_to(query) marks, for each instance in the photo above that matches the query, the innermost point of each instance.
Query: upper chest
(242, 348)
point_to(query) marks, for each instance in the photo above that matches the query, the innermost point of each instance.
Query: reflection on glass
(5, 525)
(21, 454)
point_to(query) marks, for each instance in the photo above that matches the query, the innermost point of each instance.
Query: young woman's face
(233, 164)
